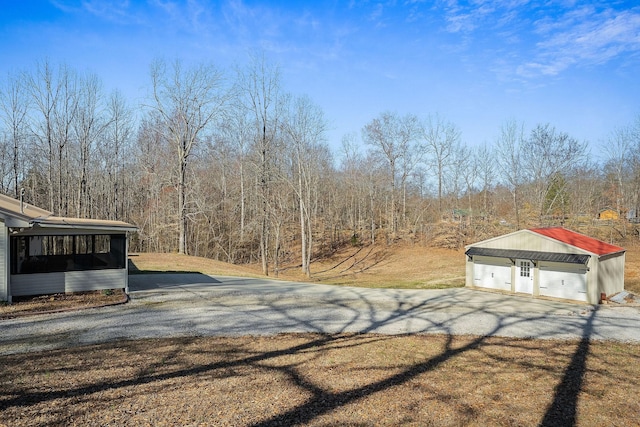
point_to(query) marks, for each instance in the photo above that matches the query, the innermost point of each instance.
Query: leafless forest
(226, 164)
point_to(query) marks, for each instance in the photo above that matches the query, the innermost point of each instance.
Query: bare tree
(238, 129)
(351, 168)
(509, 148)
(306, 127)
(114, 151)
(44, 93)
(14, 107)
(189, 101)
(619, 151)
(634, 179)
(390, 137)
(260, 94)
(155, 206)
(485, 160)
(88, 125)
(547, 154)
(468, 166)
(440, 142)
(64, 115)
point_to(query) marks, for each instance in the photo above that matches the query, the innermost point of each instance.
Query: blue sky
(476, 63)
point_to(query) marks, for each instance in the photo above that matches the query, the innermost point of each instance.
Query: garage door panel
(492, 276)
(564, 284)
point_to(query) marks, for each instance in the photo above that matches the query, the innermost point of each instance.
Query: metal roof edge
(533, 255)
(52, 222)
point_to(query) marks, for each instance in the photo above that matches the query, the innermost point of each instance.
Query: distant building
(608, 214)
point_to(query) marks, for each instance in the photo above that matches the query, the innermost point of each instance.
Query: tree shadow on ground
(321, 399)
(563, 410)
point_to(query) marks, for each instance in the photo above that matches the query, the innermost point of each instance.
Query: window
(525, 269)
(47, 254)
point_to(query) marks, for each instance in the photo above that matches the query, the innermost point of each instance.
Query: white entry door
(524, 276)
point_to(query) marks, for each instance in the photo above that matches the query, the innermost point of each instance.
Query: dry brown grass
(173, 262)
(632, 269)
(397, 266)
(325, 380)
(58, 302)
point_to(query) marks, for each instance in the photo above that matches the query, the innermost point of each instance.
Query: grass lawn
(322, 380)
(378, 266)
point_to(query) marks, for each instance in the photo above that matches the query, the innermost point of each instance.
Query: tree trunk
(182, 233)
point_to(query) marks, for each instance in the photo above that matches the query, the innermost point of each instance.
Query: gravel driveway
(171, 305)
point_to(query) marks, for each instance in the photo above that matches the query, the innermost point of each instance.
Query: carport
(44, 254)
(551, 262)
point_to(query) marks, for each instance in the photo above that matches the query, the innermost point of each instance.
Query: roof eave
(99, 227)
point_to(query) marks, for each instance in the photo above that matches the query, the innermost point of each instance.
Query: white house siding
(4, 263)
(70, 281)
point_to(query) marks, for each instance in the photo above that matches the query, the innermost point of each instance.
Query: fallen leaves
(344, 379)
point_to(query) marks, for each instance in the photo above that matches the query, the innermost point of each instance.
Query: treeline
(227, 164)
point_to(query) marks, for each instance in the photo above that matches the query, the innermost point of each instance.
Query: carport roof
(18, 214)
(532, 255)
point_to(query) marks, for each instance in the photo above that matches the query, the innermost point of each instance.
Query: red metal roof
(578, 240)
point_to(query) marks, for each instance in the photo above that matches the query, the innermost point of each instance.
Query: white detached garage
(551, 262)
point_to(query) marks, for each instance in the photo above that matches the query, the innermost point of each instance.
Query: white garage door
(492, 276)
(569, 284)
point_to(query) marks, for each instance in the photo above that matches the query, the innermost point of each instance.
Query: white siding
(71, 281)
(4, 264)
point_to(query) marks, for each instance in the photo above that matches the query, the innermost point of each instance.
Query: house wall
(70, 281)
(5, 294)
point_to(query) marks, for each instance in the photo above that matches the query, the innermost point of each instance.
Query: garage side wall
(611, 274)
